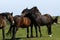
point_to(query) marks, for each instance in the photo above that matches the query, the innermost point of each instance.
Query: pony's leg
(27, 32)
(36, 30)
(3, 33)
(40, 31)
(13, 33)
(31, 30)
(49, 30)
(10, 30)
(16, 29)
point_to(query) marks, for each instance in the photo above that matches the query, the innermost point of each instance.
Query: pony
(3, 17)
(38, 19)
(27, 13)
(3, 25)
(19, 22)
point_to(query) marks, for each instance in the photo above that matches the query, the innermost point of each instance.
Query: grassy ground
(21, 33)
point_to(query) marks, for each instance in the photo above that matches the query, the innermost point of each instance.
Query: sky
(51, 7)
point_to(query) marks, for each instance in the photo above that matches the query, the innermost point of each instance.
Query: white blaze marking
(13, 21)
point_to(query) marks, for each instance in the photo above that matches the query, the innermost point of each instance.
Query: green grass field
(21, 33)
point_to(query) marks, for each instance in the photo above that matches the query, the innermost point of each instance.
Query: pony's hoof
(50, 35)
(27, 37)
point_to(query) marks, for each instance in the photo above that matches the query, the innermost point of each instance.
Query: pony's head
(9, 16)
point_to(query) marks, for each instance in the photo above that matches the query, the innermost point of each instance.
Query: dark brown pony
(3, 17)
(27, 13)
(38, 19)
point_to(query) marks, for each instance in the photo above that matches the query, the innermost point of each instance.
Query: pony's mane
(35, 10)
(24, 10)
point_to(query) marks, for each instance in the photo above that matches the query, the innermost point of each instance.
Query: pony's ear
(12, 13)
(35, 7)
(26, 8)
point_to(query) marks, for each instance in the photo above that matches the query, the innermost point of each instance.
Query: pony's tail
(55, 20)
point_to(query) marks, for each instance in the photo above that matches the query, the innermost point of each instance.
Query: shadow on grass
(17, 38)
(23, 38)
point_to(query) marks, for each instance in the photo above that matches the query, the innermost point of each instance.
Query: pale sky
(51, 7)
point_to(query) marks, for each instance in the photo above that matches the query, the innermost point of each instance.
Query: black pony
(26, 13)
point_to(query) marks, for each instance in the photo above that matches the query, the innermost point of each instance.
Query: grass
(21, 33)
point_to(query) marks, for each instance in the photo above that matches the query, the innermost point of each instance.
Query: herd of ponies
(28, 18)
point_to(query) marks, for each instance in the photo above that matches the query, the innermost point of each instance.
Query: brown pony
(20, 22)
(3, 17)
(9, 16)
(3, 25)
